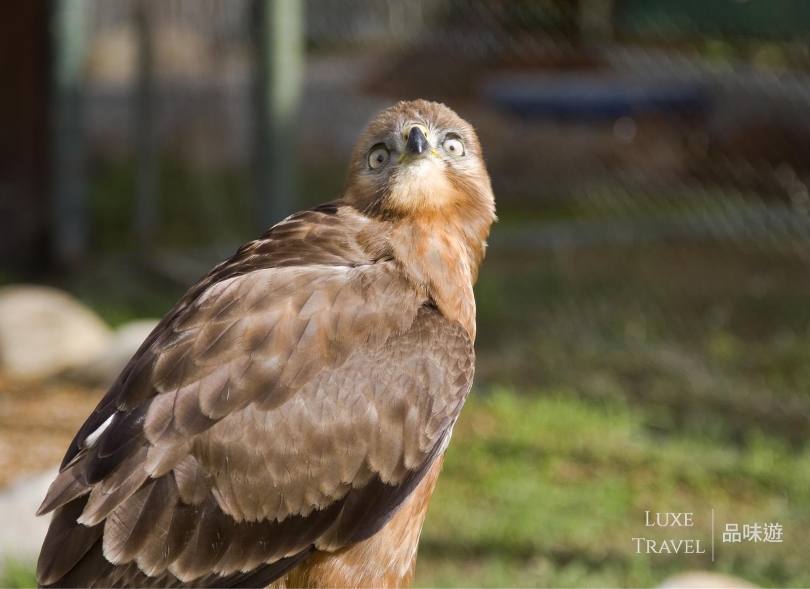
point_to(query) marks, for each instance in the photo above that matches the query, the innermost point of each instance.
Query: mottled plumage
(286, 421)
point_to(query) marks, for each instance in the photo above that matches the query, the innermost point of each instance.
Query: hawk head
(420, 159)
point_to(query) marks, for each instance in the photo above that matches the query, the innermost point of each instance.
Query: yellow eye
(453, 147)
(377, 157)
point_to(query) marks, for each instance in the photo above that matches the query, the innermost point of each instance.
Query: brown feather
(112, 491)
(387, 559)
(67, 486)
(130, 526)
(66, 542)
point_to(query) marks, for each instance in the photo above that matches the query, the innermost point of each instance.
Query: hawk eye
(453, 147)
(377, 157)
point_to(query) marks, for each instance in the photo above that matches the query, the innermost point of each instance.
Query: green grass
(17, 574)
(549, 490)
(707, 337)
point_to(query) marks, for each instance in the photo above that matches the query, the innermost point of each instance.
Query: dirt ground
(38, 420)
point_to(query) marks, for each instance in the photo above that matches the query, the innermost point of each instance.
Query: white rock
(705, 579)
(105, 368)
(44, 331)
(22, 532)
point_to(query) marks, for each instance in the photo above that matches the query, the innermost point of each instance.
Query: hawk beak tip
(417, 143)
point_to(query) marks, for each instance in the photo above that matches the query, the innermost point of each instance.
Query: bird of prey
(286, 421)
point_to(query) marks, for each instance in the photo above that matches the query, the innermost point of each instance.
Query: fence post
(146, 192)
(280, 43)
(69, 185)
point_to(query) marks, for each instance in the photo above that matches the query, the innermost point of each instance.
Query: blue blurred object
(590, 95)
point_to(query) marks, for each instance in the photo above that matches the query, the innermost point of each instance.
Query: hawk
(286, 421)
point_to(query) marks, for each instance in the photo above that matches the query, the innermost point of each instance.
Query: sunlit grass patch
(17, 574)
(549, 490)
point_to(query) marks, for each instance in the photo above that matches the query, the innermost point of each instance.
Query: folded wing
(280, 411)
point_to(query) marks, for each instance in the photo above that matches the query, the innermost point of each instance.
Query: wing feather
(112, 491)
(66, 543)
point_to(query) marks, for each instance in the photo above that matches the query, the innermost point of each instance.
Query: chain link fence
(649, 159)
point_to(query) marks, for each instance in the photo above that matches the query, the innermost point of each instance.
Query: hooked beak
(416, 143)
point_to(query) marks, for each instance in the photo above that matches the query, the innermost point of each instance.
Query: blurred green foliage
(198, 205)
(678, 18)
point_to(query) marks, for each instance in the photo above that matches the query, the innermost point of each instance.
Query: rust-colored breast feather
(285, 422)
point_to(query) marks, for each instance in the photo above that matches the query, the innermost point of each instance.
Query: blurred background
(644, 316)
